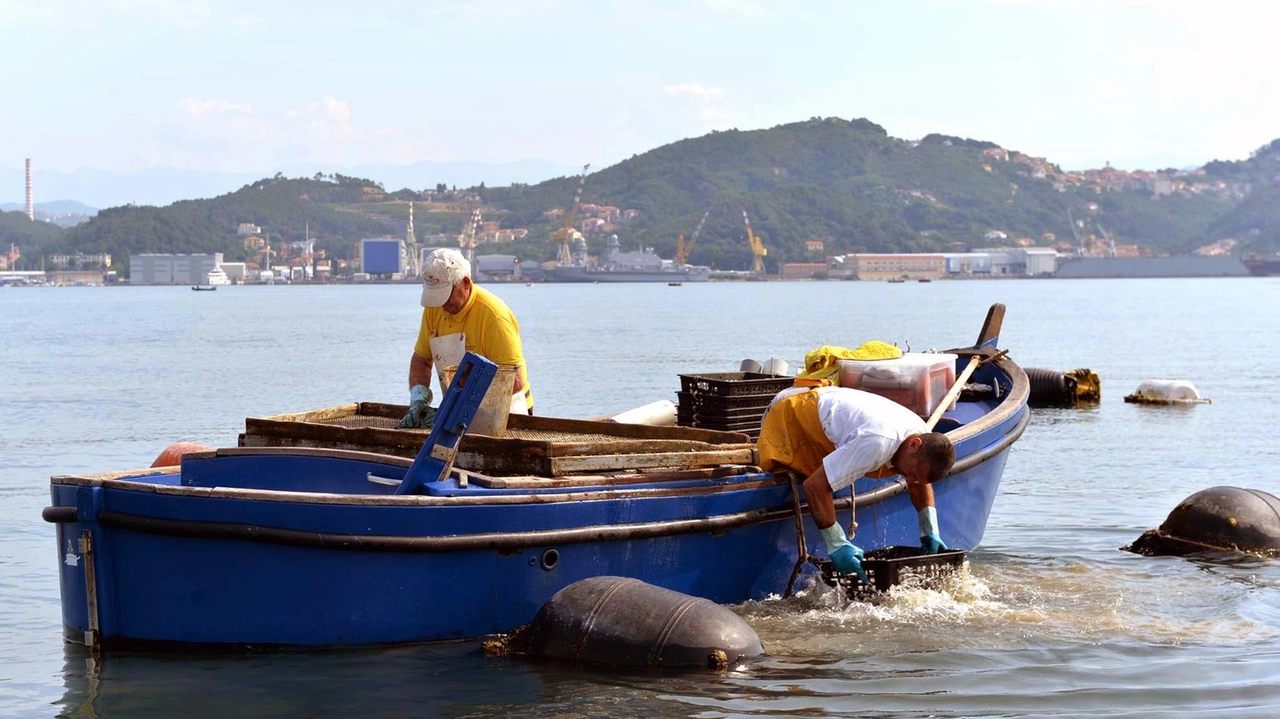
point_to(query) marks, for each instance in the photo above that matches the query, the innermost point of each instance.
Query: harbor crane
(565, 234)
(467, 240)
(758, 250)
(683, 249)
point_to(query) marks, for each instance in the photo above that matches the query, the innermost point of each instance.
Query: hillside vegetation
(846, 183)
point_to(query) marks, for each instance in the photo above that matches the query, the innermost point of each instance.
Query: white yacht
(217, 277)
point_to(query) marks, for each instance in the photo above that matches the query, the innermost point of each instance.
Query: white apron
(447, 351)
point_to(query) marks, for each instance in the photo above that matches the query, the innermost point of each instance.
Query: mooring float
(1166, 391)
(624, 622)
(1217, 519)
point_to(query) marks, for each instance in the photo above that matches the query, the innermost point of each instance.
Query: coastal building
(237, 272)
(1041, 261)
(80, 262)
(803, 270)
(162, 269)
(877, 266)
(496, 268)
(967, 264)
(382, 256)
(1021, 261)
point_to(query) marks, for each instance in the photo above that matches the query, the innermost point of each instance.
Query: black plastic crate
(734, 384)
(892, 566)
(712, 414)
(710, 401)
(717, 417)
(750, 426)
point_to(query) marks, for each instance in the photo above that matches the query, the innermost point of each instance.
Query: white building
(1041, 261)
(967, 264)
(158, 269)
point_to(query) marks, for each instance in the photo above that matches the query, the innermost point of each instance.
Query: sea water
(1049, 618)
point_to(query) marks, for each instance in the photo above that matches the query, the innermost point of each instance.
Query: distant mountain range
(57, 207)
(164, 186)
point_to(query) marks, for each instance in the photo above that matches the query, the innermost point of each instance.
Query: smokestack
(31, 197)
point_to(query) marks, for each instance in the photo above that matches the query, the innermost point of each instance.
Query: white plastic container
(916, 380)
(661, 413)
(491, 416)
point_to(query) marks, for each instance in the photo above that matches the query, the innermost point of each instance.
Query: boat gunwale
(1014, 401)
(506, 540)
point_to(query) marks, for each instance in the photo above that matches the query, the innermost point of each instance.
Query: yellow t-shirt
(490, 329)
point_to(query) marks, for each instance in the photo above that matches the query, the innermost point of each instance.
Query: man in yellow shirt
(460, 317)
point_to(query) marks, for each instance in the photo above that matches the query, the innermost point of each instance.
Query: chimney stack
(31, 198)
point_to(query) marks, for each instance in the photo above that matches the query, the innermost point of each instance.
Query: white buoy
(1166, 391)
(655, 414)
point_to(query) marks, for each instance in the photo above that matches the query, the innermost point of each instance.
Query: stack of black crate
(727, 401)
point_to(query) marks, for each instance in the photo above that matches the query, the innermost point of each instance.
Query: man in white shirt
(834, 435)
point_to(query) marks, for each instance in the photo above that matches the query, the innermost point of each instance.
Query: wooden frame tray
(540, 446)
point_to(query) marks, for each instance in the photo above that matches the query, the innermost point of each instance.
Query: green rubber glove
(845, 557)
(421, 414)
(930, 539)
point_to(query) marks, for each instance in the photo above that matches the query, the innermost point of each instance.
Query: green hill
(851, 185)
(846, 183)
(286, 210)
(16, 229)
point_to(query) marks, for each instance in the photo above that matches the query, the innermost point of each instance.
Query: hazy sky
(253, 86)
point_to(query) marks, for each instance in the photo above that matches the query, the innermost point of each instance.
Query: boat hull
(185, 567)
(269, 547)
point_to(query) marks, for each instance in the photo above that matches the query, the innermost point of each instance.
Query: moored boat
(616, 265)
(332, 535)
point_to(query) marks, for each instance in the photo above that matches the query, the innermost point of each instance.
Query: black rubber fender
(619, 621)
(1217, 519)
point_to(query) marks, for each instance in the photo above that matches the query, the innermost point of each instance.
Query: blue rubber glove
(845, 557)
(930, 539)
(421, 414)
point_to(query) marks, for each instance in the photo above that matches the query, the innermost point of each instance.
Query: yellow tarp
(824, 362)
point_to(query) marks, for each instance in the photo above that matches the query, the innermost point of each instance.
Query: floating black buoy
(1051, 388)
(1218, 519)
(617, 621)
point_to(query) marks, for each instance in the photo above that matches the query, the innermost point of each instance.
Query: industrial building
(496, 267)
(875, 266)
(158, 269)
(382, 257)
(1021, 261)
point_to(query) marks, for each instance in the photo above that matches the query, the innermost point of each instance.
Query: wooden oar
(988, 336)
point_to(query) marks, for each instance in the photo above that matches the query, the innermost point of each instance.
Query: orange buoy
(172, 455)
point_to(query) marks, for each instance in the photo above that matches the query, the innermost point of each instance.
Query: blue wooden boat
(311, 546)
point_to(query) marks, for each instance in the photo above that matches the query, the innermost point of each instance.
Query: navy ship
(1263, 265)
(615, 265)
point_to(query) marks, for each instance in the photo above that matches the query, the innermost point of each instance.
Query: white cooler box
(916, 380)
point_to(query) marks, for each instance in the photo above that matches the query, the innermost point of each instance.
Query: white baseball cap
(442, 269)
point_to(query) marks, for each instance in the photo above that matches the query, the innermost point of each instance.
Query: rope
(802, 551)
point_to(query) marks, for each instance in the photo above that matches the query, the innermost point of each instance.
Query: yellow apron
(792, 438)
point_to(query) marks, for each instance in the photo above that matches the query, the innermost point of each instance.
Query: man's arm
(845, 557)
(420, 371)
(822, 503)
(921, 495)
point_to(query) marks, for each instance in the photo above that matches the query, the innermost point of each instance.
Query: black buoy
(1051, 388)
(622, 622)
(1218, 519)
